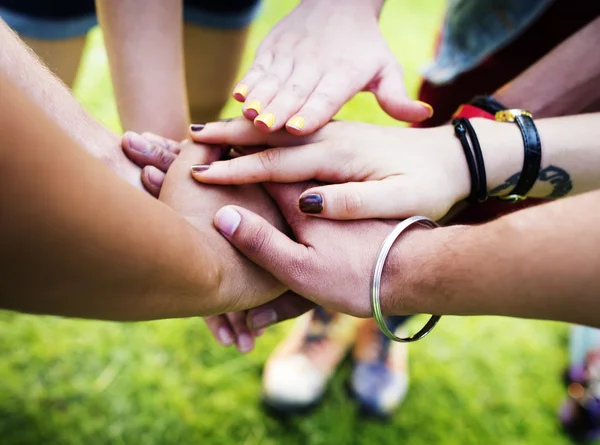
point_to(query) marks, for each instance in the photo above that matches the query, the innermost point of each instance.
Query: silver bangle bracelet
(386, 246)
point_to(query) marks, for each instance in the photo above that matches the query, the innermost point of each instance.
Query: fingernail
(225, 337)
(240, 92)
(137, 142)
(244, 343)
(200, 168)
(311, 203)
(197, 127)
(296, 122)
(155, 178)
(227, 221)
(426, 105)
(254, 105)
(268, 119)
(263, 319)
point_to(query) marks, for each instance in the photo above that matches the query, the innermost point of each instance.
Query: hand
(332, 262)
(318, 58)
(156, 154)
(379, 172)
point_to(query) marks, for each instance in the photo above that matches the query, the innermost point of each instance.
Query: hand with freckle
(315, 60)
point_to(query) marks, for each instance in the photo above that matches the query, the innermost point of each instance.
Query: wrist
(413, 275)
(502, 148)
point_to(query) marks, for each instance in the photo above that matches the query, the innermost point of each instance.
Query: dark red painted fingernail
(197, 127)
(200, 168)
(311, 203)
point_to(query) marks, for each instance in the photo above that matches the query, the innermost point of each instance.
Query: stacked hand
(377, 172)
(311, 266)
(318, 58)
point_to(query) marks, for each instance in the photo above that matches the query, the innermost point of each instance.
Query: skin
(24, 71)
(68, 245)
(431, 271)
(570, 90)
(151, 46)
(425, 169)
(303, 89)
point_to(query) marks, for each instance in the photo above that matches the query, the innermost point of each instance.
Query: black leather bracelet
(533, 152)
(482, 194)
(460, 130)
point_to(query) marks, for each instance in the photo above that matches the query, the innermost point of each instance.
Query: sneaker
(380, 377)
(580, 412)
(296, 374)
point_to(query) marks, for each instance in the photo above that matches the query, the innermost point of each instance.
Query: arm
(70, 246)
(542, 262)
(563, 82)
(425, 168)
(22, 68)
(145, 54)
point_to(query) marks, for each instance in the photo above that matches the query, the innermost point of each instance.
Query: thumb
(391, 95)
(262, 243)
(360, 200)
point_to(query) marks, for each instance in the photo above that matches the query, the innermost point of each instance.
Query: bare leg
(212, 60)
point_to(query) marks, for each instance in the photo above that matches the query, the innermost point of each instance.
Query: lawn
(474, 381)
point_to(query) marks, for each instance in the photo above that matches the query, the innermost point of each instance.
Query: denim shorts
(64, 19)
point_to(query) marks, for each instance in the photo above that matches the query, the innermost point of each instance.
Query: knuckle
(296, 90)
(272, 79)
(325, 99)
(258, 241)
(165, 158)
(297, 270)
(269, 159)
(352, 202)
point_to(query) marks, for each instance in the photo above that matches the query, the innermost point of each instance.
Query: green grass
(474, 381)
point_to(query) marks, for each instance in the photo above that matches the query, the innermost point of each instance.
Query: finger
(290, 164)
(266, 88)
(260, 66)
(152, 179)
(167, 144)
(263, 244)
(361, 200)
(244, 339)
(288, 305)
(221, 329)
(242, 132)
(289, 98)
(391, 94)
(332, 92)
(144, 152)
(286, 198)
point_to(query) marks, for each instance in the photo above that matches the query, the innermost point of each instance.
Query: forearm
(145, 52)
(563, 82)
(71, 243)
(570, 155)
(26, 72)
(542, 262)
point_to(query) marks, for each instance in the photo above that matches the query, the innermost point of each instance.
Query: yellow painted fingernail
(426, 105)
(254, 105)
(241, 90)
(296, 122)
(268, 119)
